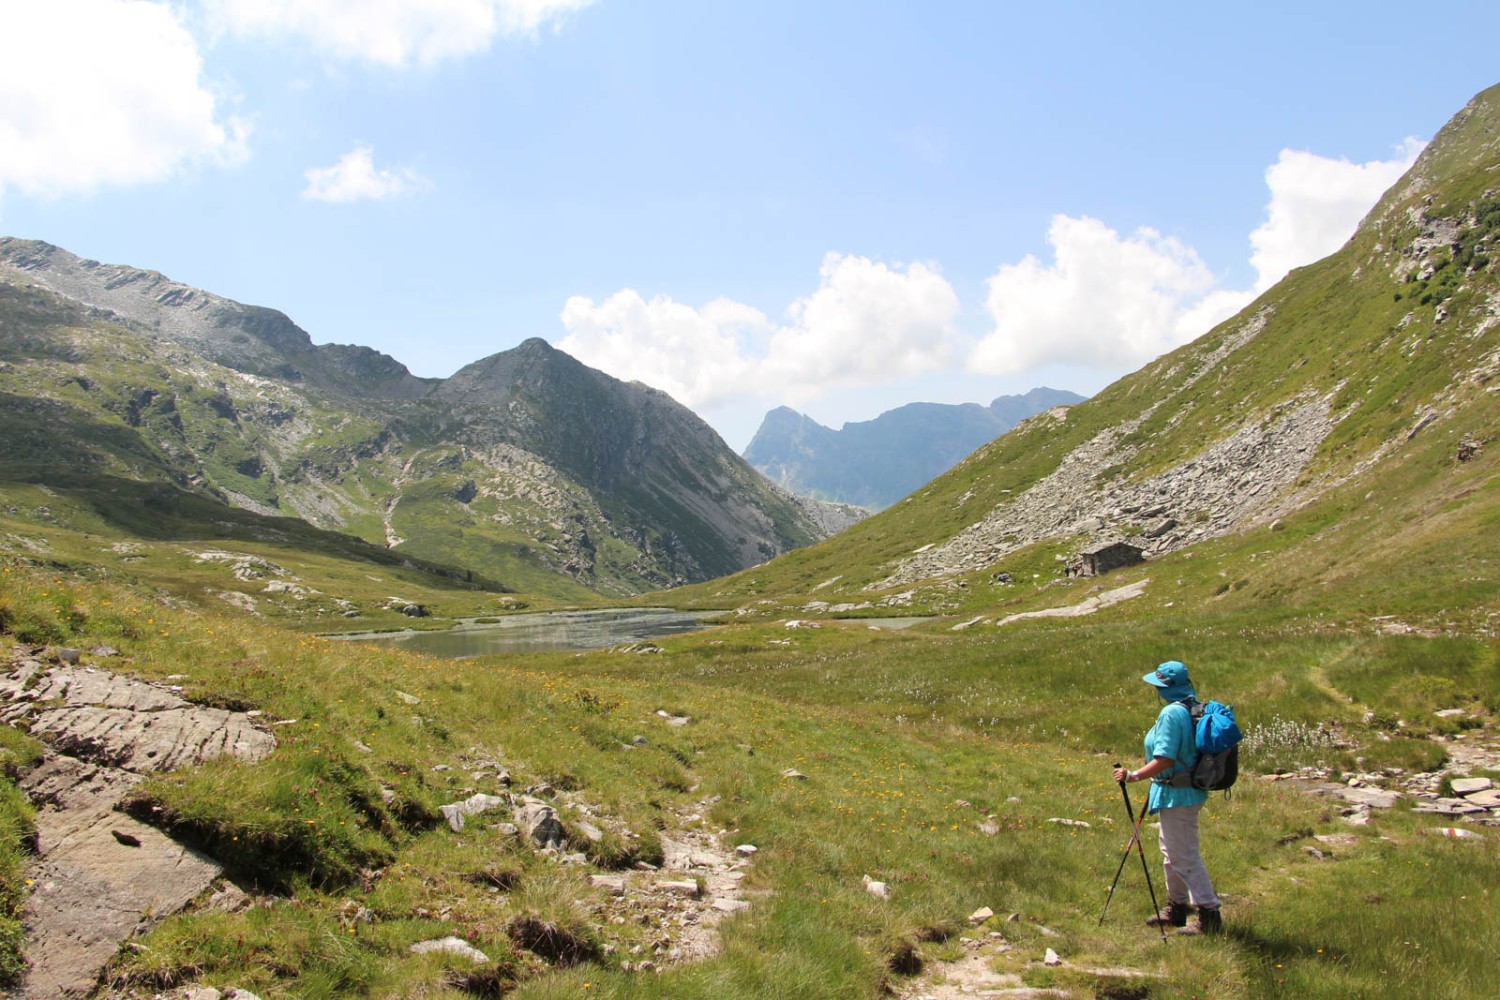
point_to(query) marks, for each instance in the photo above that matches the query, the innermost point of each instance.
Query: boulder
(613, 884)
(539, 821)
(474, 805)
(451, 946)
(682, 856)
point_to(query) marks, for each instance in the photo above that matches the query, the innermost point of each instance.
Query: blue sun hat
(1171, 681)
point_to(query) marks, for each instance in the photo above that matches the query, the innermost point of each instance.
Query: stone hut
(1111, 555)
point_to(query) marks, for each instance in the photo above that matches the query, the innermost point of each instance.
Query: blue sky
(837, 206)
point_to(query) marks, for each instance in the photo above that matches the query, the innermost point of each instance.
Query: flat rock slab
(125, 723)
(1448, 807)
(102, 877)
(1468, 786)
(1487, 799)
(68, 783)
(160, 740)
(679, 856)
(1375, 798)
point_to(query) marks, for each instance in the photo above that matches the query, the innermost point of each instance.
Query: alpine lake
(559, 631)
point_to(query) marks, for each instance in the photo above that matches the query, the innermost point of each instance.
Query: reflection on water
(558, 631)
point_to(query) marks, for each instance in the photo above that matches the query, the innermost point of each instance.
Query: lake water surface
(555, 631)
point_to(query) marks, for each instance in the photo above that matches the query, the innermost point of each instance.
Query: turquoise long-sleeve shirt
(1172, 737)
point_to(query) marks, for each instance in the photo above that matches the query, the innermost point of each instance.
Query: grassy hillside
(1396, 333)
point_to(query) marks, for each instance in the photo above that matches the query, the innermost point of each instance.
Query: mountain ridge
(525, 464)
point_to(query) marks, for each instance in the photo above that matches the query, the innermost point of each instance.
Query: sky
(836, 206)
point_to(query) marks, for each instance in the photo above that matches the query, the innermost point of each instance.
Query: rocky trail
(100, 877)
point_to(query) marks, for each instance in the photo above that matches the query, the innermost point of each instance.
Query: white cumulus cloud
(393, 33)
(1108, 301)
(1316, 203)
(1105, 301)
(866, 323)
(104, 92)
(695, 355)
(355, 178)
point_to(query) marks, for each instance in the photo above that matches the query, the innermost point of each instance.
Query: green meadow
(910, 741)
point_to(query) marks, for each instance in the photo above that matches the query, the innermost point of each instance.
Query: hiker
(1171, 750)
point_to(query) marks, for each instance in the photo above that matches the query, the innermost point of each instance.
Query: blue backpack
(1218, 742)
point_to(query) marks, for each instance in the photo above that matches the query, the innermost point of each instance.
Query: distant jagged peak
(873, 463)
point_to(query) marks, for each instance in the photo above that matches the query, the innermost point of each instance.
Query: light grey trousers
(1187, 879)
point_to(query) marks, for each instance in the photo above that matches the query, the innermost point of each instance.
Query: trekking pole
(1141, 850)
(1135, 831)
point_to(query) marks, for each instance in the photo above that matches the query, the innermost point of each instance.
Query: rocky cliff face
(876, 462)
(523, 467)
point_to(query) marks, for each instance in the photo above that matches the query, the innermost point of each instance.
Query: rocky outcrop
(830, 516)
(106, 719)
(101, 876)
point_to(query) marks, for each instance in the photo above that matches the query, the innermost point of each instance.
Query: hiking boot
(1175, 915)
(1209, 922)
